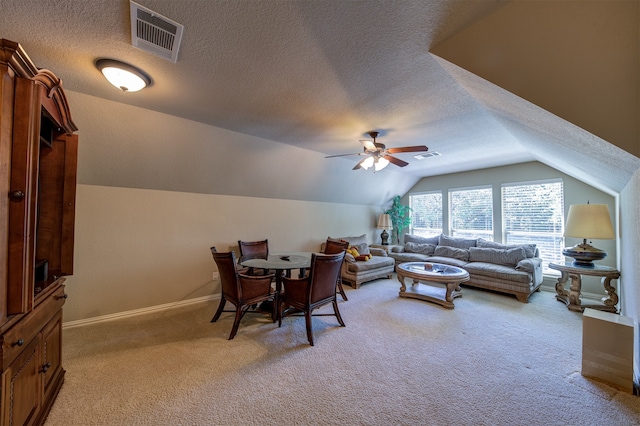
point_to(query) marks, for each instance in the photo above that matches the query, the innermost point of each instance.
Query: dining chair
(333, 247)
(243, 291)
(313, 291)
(254, 250)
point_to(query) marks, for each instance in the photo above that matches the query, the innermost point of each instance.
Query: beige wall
(576, 192)
(136, 248)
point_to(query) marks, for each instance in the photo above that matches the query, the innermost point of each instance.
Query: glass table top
(427, 268)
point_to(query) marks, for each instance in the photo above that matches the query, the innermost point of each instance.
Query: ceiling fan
(377, 154)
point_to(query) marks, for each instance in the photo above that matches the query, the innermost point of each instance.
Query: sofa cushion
(491, 270)
(427, 249)
(375, 251)
(409, 257)
(375, 262)
(456, 253)
(529, 249)
(408, 238)
(509, 257)
(359, 242)
(447, 261)
(456, 242)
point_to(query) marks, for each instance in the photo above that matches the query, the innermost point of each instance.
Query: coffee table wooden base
(431, 293)
(430, 285)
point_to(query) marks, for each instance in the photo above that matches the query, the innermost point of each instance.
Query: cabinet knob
(16, 195)
(64, 296)
(46, 367)
(18, 342)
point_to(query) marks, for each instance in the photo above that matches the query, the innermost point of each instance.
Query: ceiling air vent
(154, 33)
(427, 155)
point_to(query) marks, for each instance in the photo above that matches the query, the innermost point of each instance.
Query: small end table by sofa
(572, 297)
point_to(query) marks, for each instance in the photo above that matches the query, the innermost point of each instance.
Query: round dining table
(281, 263)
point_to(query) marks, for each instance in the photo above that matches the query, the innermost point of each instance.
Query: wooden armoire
(38, 159)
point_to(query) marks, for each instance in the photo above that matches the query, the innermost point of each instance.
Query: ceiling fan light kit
(378, 155)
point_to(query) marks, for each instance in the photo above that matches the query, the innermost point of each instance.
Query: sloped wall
(580, 61)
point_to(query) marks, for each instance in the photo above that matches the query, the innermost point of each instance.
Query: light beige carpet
(490, 361)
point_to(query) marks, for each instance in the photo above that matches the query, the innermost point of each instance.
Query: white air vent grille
(154, 33)
(427, 155)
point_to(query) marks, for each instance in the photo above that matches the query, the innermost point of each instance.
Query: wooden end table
(572, 297)
(425, 275)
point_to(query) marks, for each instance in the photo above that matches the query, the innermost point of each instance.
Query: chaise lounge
(355, 272)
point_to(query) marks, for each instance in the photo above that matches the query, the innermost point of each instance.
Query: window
(534, 213)
(426, 214)
(471, 212)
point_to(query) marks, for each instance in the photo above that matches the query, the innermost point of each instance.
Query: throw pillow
(427, 249)
(353, 251)
(408, 238)
(508, 257)
(363, 257)
(456, 253)
(529, 249)
(456, 242)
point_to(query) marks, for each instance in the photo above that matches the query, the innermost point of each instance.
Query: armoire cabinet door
(21, 387)
(23, 196)
(56, 204)
(52, 354)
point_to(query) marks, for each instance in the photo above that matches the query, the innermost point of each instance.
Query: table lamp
(384, 223)
(587, 221)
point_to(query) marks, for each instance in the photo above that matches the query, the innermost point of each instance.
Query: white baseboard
(141, 311)
(591, 297)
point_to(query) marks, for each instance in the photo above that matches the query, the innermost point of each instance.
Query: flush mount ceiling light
(124, 76)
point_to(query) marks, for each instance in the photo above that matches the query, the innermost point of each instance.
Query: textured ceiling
(315, 74)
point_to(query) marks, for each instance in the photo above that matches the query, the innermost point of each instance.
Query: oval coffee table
(425, 275)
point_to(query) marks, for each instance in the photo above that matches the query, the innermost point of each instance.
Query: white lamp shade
(384, 222)
(368, 162)
(380, 164)
(589, 221)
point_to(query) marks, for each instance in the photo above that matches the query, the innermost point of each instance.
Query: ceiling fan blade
(418, 148)
(398, 162)
(342, 155)
(369, 146)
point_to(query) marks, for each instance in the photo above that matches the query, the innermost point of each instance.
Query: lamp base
(584, 254)
(385, 237)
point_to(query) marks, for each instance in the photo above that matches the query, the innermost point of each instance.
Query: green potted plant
(400, 218)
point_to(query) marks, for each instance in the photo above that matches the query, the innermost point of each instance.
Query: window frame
(470, 233)
(432, 231)
(557, 237)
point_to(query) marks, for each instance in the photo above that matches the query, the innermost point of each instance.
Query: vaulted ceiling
(483, 83)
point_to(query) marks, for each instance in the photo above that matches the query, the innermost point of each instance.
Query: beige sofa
(512, 269)
(355, 272)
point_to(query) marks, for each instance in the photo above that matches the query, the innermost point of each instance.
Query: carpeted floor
(490, 361)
